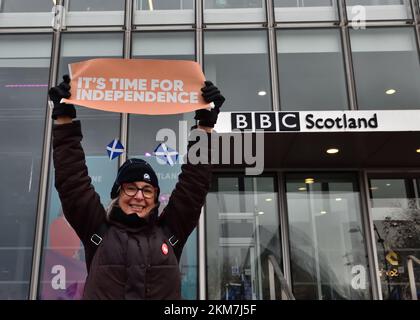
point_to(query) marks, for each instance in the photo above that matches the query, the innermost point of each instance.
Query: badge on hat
(164, 249)
(146, 177)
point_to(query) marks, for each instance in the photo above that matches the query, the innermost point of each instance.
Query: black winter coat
(132, 261)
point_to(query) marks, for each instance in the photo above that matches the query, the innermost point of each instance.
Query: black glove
(56, 94)
(211, 93)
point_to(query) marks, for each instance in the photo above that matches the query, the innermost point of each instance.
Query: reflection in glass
(26, 6)
(95, 12)
(230, 11)
(143, 130)
(63, 251)
(164, 12)
(305, 10)
(379, 9)
(242, 230)
(164, 5)
(23, 90)
(311, 70)
(237, 62)
(24, 13)
(386, 68)
(327, 243)
(96, 5)
(396, 218)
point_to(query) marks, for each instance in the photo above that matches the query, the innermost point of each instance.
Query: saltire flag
(114, 149)
(166, 154)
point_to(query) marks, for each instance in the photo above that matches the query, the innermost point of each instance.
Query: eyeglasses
(131, 190)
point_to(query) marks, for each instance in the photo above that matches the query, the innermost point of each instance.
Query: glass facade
(163, 12)
(299, 55)
(305, 57)
(238, 62)
(386, 68)
(379, 9)
(23, 88)
(305, 10)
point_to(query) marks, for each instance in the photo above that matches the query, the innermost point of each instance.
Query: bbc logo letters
(266, 121)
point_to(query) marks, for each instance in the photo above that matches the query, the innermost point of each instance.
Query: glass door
(396, 218)
(327, 242)
(243, 233)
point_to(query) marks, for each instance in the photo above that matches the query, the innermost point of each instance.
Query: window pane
(305, 10)
(311, 70)
(327, 243)
(222, 11)
(237, 61)
(63, 253)
(95, 12)
(379, 9)
(24, 13)
(396, 215)
(143, 131)
(386, 68)
(242, 230)
(23, 89)
(164, 12)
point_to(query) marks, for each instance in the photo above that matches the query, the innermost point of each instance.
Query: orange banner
(137, 85)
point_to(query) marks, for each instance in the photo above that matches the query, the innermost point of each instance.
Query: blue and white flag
(115, 149)
(166, 155)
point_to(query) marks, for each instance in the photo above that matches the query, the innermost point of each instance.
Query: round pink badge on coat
(164, 248)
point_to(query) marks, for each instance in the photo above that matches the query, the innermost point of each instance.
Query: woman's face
(137, 197)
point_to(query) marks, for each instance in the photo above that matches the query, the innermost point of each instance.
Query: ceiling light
(261, 212)
(151, 5)
(262, 93)
(338, 199)
(418, 150)
(309, 180)
(388, 184)
(323, 212)
(302, 189)
(333, 151)
(390, 91)
(374, 188)
(268, 199)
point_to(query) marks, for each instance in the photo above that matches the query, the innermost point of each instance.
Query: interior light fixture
(418, 150)
(338, 199)
(390, 91)
(309, 180)
(333, 151)
(260, 212)
(268, 199)
(374, 188)
(151, 5)
(262, 93)
(323, 212)
(302, 189)
(388, 184)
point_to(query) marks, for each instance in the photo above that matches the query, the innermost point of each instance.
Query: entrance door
(396, 218)
(242, 230)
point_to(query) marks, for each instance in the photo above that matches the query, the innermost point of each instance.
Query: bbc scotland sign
(319, 121)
